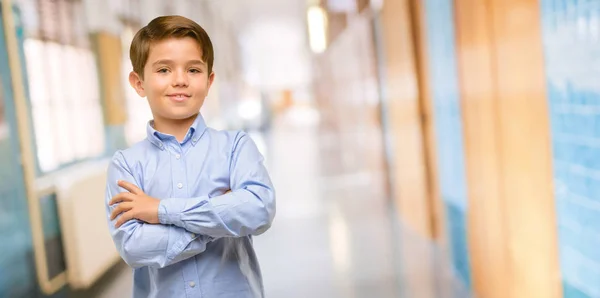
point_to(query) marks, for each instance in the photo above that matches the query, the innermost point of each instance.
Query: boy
(193, 196)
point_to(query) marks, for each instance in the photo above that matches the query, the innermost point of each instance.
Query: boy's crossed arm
(134, 204)
(247, 210)
(141, 244)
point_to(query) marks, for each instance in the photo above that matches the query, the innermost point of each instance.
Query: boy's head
(172, 60)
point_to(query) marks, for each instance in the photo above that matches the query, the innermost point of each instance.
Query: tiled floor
(334, 234)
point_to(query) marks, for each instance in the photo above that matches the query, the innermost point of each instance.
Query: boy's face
(176, 80)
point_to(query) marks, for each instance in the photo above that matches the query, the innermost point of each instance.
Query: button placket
(178, 171)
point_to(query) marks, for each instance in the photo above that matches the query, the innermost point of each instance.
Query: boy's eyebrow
(163, 61)
(170, 62)
(196, 62)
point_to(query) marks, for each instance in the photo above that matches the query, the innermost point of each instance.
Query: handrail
(47, 285)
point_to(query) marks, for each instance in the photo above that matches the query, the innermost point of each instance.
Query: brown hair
(165, 27)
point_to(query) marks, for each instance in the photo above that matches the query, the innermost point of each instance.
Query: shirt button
(193, 235)
(192, 284)
(179, 185)
(177, 156)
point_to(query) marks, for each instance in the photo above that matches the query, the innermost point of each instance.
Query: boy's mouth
(179, 97)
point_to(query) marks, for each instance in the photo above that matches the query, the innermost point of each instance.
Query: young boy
(184, 203)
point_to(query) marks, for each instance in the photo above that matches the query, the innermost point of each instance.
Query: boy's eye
(193, 70)
(163, 70)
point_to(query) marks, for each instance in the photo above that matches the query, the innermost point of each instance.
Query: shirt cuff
(169, 213)
(180, 244)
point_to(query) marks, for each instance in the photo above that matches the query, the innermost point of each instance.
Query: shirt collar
(194, 133)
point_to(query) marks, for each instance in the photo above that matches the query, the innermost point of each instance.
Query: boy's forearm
(243, 212)
(154, 245)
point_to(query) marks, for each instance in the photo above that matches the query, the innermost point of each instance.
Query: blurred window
(63, 84)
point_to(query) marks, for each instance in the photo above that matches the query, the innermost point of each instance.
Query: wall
(511, 219)
(486, 219)
(570, 35)
(488, 95)
(402, 96)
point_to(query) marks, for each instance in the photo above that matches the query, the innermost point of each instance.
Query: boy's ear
(211, 78)
(136, 82)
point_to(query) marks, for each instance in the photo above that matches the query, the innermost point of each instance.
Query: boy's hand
(134, 204)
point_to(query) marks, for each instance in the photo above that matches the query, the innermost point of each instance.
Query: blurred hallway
(333, 236)
(336, 235)
(419, 149)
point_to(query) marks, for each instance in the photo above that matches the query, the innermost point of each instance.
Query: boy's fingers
(122, 197)
(132, 188)
(127, 216)
(120, 209)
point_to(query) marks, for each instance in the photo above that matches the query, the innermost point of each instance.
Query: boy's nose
(180, 79)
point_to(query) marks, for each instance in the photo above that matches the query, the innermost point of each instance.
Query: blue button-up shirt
(203, 244)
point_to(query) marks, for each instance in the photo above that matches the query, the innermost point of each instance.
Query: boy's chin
(182, 114)
(179, 116)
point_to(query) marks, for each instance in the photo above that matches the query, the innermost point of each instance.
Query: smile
(178, 96)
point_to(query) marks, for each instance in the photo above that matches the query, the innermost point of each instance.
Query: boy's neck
(175, 127)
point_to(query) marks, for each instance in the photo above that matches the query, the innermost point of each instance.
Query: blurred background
(419, 148)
